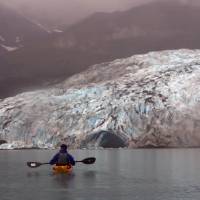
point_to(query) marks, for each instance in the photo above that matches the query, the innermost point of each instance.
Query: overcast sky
(70, 10)
(70, 5)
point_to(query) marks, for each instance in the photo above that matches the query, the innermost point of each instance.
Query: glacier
(144, 101)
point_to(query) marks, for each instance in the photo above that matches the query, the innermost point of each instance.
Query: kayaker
(63, 157)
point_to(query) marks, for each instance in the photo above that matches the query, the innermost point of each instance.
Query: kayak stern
(66, 169)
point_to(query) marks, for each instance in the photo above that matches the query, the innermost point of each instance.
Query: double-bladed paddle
(87, 161)
(36, 164)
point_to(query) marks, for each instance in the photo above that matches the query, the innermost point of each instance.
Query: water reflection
(90, 174)
(63, 180)
(32, 174)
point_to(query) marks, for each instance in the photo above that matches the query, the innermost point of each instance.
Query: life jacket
(63, 159)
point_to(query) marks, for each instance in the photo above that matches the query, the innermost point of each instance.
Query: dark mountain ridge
(17, 30)
(99, 38)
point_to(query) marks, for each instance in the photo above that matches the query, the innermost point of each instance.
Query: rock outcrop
(150, 100)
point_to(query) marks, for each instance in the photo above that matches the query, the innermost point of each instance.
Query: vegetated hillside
(149, 100)
(103, 37)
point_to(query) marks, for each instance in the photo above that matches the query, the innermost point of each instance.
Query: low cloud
(70, 11)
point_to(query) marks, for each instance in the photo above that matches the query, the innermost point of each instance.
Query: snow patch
(8, 48)
(17, 39)
(2, 39)
(40, 25)
(57, 31)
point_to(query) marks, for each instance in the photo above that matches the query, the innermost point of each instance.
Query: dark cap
(63, 146)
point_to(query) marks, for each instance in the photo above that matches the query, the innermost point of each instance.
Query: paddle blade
(35, 164)
(89, 161)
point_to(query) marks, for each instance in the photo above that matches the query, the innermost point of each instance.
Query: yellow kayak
(66, 169)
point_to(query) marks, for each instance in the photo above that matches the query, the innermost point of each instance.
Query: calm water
(162, 174)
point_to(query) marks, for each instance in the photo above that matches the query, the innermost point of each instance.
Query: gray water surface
(143, 174)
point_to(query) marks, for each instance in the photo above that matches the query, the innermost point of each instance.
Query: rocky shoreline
(97, 148)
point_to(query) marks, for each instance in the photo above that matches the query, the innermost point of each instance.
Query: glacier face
(149, 100)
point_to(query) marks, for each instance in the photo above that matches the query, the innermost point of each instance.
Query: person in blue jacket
(63, 157)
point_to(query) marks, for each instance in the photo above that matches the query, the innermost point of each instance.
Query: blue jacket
(54, 160)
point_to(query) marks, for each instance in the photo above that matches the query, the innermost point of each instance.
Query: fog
(57, 12)
(69, 11)
(57, 6)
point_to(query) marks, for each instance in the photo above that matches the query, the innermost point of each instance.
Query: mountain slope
(149, 100)
(103, 37)
(16, 30)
